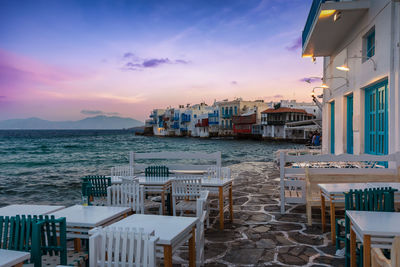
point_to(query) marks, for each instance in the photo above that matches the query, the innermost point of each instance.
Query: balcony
(227, 115)
(328, 24)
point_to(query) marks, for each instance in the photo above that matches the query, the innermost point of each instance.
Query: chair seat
(73, 259)
(185, 205)
(341, 222)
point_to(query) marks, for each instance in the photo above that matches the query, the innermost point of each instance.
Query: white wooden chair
(202, 213)
(379, 260)
(118, 173)
(130, 195)
(185, 190)
(218, 173)
(116, 247)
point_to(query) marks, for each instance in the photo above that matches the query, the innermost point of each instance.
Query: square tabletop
(341, 187)
(215, 182)
(90, 216)
(375, 223)
(13, 210)
(392, 185)
(10, 258)
(167, 228)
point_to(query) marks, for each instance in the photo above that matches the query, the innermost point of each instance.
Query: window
(236, 110)
(223, 111)
(230, 111)
(369, 44)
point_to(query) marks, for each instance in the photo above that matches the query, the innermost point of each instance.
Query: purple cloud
(181, 61)
(135, 63)
(310, 80)
(278, 96)
(154, 62)
(234, 82)
(128, 55)
(296, 44)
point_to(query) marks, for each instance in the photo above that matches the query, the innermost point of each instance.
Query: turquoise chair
(39, 235)
(156, 171)
(95, 186)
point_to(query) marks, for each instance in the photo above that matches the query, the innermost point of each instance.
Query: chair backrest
(118, 247)
(157, 171)
(122, 171)
(187, 187)
(201, 213)
(95, 186)
(38, 234)
(218, 173)
(126, 195)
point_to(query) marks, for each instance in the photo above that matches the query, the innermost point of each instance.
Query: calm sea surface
(46, 166)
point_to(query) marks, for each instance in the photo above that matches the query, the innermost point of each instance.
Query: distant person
(317, 140)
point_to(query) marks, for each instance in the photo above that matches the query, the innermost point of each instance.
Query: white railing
(292, 170)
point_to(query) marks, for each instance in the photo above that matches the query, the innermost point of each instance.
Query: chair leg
(337, 226)
(309, 218)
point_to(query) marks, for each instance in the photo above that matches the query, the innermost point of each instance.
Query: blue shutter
(332, 127)
(376, 119)
(350, 124)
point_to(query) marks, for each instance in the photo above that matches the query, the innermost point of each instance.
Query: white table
(80, 219)
(372, 228)
(13, 210)
(172, 232)
(334, 193)
(223, 187)
(10, 258)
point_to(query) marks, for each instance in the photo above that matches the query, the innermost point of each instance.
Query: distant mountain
(97, 122)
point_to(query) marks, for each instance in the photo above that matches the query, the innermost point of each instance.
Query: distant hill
(97, 122)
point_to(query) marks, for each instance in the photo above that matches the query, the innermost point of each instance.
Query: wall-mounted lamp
(345, 67)
(323, 87)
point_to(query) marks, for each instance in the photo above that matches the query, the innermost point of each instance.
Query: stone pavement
(259, 234)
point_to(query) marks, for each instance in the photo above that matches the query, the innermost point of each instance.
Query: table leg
(163, 201)
(333, 221)
(323, 215)
(230, 203)
(221, 208)
(167, 256)
(192, 249)
(19, 264)
(352, 247)
(367, 250)
(77, 244)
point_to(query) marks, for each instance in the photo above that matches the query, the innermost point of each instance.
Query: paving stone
(306, 239)
(339, 262)
(244, 255)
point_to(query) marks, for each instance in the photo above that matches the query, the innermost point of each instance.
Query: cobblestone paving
(259, 235)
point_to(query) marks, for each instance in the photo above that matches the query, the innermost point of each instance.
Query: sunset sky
(66, 60)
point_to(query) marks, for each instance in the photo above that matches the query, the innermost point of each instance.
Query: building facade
(359, 42)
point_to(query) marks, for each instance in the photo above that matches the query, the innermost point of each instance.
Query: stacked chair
(43, 236)
(378, 259)
(371, 199)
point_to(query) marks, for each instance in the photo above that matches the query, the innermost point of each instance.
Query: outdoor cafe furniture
(334, 193)
(81, 219)
(185, 191)
(9, 258)
(223, 188)
(373, 229)
(17, 209)
(378, 259)
(172, 231)
(117, 246)
(95, 186)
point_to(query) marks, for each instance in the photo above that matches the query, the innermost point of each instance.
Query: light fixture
(345, 67)
(337, 16)
(327, 88)
(326, 13)
(324, 86)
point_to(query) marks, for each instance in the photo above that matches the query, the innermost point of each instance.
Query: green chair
(156, 171)
(372, 199)
(95, 186)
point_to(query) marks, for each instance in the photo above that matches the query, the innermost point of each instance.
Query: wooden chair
(122, 171)
(117, 247)
(202, 213)
(218, 173)
(43, 236)
(185, 190)
(379, 260)
(95, 187)
(130, 195)
(156, 171)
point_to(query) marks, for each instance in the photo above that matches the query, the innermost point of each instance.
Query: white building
(157, 121)
(359, 42)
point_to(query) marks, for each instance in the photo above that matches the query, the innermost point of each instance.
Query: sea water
(45, 166)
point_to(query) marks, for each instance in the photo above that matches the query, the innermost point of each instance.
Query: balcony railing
(311, 17)
(227, 115)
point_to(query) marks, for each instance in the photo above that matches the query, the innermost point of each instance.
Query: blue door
(350, 124)
(332, 127)
(376, 119)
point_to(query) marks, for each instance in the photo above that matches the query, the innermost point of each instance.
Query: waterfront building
(198, 111)
(359, 42)
(201, 126)
(157, 117)
(236, 107)
(213, 121)
(275, 120)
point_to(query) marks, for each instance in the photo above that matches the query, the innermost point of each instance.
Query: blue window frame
(370, 39)
(222, 111)
(230, 111)
(376, 119)
(332, 127)
(350, 124)
(235, 110)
